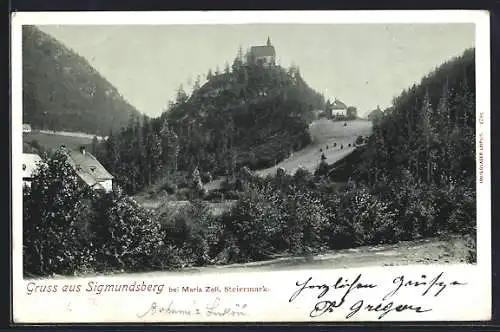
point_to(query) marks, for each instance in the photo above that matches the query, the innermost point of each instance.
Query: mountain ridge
(63, 91)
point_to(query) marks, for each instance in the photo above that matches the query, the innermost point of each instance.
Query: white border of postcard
(471, 302)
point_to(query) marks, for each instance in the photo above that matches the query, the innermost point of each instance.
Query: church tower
(268, 41)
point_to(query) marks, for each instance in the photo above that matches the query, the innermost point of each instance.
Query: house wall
(27, 183)
(107, 184)
(339, 112)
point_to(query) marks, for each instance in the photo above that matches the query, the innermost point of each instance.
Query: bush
(471, 245)
(322, 169)
(55, 219)
(206, 177)
(124, 235)
(363, 219)
(170, 188)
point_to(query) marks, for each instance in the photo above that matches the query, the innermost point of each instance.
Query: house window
(24, 167)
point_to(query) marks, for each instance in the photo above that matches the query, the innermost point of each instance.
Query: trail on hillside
(330, 138)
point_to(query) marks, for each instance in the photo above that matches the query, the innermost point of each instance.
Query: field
(53, 140)
(325, 134)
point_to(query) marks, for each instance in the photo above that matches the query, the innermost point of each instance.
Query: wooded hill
(427, 135)
(247, 115)
(62, 91)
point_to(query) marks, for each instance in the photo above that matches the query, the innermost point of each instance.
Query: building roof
(88, 167)
(338, 105)
(30, 164)
(262, 51)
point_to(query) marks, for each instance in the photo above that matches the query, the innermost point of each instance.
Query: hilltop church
(264, 54)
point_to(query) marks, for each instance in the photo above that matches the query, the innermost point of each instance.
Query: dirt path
(429, 251)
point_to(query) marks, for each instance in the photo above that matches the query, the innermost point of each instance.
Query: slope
(62, 91)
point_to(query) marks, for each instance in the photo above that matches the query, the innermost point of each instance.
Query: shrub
(254, 222)
(364, 219)
(55, 216)
(206, 177)
(170, 188)
(471, 245)
(124, 235)
(322, 169)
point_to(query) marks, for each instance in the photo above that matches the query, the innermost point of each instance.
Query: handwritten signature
(213, 309)
(434, 286)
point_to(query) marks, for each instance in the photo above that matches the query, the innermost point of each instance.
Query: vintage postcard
(184, 167)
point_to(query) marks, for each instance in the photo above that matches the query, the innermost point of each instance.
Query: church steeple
(268, 41)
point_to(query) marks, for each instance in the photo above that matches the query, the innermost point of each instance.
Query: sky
(363, 65)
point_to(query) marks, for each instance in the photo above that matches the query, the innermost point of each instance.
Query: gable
(85, 164)
(30, 164)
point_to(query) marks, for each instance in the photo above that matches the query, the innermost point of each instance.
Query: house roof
(261, 51)
(30, 164)
(338, 105)
(88, 167)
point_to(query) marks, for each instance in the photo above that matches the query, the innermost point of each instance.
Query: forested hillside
(429, 132)
(247, 115)
(62, 91)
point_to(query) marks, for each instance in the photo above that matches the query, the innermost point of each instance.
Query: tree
(95, 145)
(227, 69)
(196, 85)
(169, 147)
(352, 113)
(238, 61)
(181, 96)
(124, 235)
(210, 75)
(55, 217)
(428, 136)
(153, 156)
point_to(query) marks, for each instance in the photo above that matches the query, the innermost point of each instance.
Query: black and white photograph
(186, 150)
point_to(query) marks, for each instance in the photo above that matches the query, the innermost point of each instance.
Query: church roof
(261, 51)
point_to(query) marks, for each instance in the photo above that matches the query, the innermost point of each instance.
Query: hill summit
(254, 113)
(62, 91)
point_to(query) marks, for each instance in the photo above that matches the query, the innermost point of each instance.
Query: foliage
(54, 218)
(123, 234)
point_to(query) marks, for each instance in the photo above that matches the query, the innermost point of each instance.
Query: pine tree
(428, 136)
(181, 96)
(95, 146)
(209, 75)
(169, 147)
(196, 85)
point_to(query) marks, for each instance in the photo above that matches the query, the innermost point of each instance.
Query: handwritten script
(211, 309)
(337, 295)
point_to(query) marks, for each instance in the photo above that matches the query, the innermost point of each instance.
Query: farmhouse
(339, 109)
(30, 164)
(26, 128)
(90, 170)
(265, 54)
